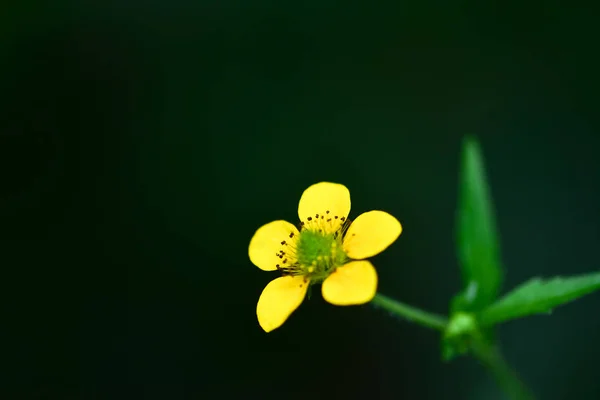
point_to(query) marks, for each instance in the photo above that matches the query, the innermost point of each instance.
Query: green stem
(488, 354)
(411, 313)
(506, 378)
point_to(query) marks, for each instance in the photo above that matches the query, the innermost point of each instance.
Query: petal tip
(266, 243)
(352, 284)
(371, 233)
(324, 197)
(279, 299)
(266, 328)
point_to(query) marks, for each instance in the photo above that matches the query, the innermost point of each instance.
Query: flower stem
(505, 377)
(411, 313)
(488, 354)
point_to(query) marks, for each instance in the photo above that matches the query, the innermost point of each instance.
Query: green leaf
(539, 296)
(478, 248)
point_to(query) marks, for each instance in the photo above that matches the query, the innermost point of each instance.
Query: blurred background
(143, 143)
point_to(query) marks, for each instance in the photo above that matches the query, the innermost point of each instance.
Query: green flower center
(318, 254)
(317, 251)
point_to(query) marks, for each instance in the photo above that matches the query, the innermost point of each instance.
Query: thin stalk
(410, 313)
(488, 354)
(505, 377)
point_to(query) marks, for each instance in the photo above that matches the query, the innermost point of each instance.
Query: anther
(327, 212)
(335, 216)
(285, 260)
(291, 235)
(316, 215)
(283, 243)
(343, 218)
(309, 219)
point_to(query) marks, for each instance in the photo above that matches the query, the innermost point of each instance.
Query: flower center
(317, 251)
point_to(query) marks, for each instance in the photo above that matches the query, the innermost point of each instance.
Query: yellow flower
(327, 248)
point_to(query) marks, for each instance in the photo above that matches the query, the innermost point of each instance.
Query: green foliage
(475, 311)
(478, 249)
(539, 296)
(457, 337)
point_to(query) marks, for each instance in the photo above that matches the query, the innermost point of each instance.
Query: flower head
(326, 248)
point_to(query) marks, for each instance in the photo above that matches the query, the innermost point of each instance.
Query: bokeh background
(142, 143)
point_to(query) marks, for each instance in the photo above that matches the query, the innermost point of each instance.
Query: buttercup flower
(326, 248)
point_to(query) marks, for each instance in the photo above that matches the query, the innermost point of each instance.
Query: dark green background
(142, 143)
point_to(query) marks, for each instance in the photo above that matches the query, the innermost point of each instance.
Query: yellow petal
(324, 205)
(265, 245)
(278, 301)
(350, 284)
(371, 233)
